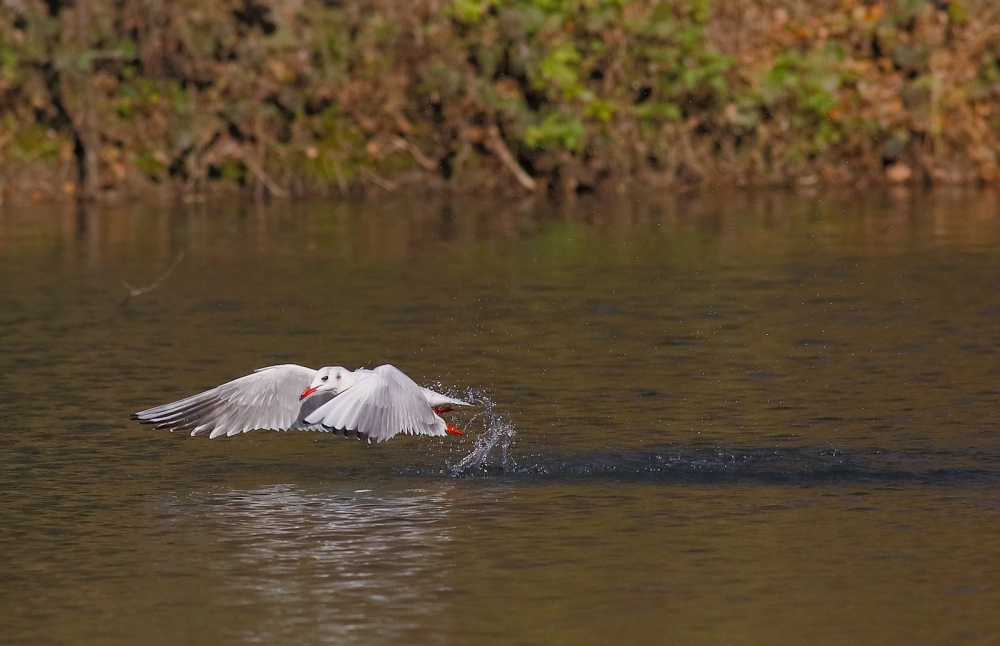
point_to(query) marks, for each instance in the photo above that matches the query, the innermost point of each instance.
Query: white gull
(368, 404)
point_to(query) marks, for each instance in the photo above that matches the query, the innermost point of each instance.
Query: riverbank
(291, 99)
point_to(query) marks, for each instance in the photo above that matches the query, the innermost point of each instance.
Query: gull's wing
(382, 403)
(266, 399)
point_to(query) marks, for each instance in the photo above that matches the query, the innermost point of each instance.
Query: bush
(576, 93)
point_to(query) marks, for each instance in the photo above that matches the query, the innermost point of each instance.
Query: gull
(374, 405)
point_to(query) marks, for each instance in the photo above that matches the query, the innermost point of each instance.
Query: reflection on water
(878, 222)
(330, 567)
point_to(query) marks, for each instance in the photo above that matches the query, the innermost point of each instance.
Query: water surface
(745, 419)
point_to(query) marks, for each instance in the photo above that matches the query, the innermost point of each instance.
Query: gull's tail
(442, 403)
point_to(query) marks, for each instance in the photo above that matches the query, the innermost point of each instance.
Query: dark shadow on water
(669, 465)
(756, 465)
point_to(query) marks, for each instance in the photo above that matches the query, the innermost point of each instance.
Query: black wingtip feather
(350, 434)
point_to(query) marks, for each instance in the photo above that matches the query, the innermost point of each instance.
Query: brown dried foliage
(300, 96)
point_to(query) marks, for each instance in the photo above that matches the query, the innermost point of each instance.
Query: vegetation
(300, 96)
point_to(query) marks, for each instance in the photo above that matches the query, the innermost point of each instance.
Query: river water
(764, 418)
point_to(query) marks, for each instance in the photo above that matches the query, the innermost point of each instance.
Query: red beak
(305, 393)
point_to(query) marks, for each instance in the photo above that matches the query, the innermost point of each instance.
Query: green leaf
(557, 131)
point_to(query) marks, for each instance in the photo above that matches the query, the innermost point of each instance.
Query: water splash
(498, 432)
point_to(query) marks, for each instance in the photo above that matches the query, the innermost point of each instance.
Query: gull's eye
(324, 378)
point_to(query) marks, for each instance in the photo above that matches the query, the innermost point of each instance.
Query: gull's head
(330, 379)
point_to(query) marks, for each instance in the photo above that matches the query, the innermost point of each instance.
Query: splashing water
(498, 430)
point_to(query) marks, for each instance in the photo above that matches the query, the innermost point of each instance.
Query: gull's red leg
(451, 430)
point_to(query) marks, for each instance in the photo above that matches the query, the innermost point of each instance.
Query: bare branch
(499, 148)
(133, 292)
(378, 180)
(264, 179)
(425, 162)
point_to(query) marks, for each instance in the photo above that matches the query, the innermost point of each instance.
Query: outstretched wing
(381, 404)
(266, 399)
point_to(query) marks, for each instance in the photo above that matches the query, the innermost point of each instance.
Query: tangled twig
(139, 291)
